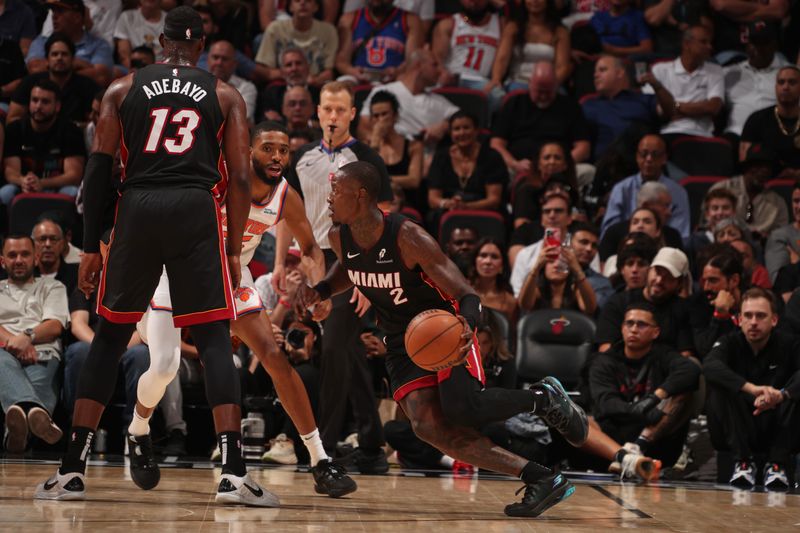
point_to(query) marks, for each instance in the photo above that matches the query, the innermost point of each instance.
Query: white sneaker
(62, 488)
(235, 490)
(775, 477)
(634, 465)
(744, 475)
(281, 451)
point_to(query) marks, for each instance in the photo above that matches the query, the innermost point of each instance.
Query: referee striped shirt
(310, 174)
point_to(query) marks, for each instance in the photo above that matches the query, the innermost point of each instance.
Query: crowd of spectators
(644, 157)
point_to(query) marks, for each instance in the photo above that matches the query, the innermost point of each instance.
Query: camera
(296, 338)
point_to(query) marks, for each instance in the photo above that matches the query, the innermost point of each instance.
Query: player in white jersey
(272, 201)
(466, 45)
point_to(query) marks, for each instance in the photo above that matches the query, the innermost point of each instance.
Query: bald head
(422, 67)
(543, 85)
(222, 60)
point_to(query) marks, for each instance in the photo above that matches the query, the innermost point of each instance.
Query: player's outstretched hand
(235, 269)
(89, 273)
(467, 338)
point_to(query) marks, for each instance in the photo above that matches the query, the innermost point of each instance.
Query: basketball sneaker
(775, 477)
(364, 461)
(281, 451)
(541, 496)
(66, 487)
(744, 475)
(144, 469)
(635, 464)
(235, 490)
(332, 479)
(562, 413)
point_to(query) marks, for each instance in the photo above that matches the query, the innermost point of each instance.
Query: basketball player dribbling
(403, 271)
(169, 120)
(273, 200)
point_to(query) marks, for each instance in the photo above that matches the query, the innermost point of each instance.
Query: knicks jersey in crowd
(385, 41)
(397, 293)
(473, 48)
(172, 127)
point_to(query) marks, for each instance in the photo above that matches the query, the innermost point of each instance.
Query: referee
(345, 375)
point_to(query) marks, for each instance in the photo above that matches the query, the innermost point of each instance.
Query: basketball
(433, 340)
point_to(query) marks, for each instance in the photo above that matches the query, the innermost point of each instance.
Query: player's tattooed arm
(295, 215)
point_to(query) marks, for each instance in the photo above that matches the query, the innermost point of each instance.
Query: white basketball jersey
(261, 218)
(473, 48)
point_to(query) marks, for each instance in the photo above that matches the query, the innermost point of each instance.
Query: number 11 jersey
(171, 130)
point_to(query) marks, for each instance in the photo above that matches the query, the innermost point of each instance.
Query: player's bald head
(365, 175)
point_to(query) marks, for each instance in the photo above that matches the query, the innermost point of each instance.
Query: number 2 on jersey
(188, 119)
(397, 293)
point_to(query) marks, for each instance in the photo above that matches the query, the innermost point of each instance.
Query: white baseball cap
(673, 260)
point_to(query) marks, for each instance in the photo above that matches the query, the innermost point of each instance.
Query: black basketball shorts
(177, 228)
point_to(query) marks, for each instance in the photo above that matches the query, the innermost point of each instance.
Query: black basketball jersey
(172, 129)
(397, 293)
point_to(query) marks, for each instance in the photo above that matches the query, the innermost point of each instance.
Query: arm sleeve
(55, 305)
(707, 332)
(716, 369)
(103, 55)
(96, 185)
(775, 254)
(78, 302)
(716, 84)
(751, 132)
(266, 51)
(613, 209)
(36, 50)
(122, 27)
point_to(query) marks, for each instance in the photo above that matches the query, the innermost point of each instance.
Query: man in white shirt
(139, 27)
(690, 90)
(421, 113)
(749, 85)
(33, 314)
(103, 15)
(222, 64)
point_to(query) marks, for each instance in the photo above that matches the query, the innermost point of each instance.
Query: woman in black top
(467, 174)
(551, 161)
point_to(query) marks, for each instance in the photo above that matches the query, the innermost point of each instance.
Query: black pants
(345, 375)
(733, 427)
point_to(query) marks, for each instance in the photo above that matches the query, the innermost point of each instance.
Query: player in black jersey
(168, 121)
(403, 271)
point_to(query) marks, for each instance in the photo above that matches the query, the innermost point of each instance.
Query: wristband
(323, 288)
(721, 316)
(284, 302)
(469, 306)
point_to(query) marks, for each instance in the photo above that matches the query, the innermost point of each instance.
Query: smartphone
(640, 68)
(552, 237)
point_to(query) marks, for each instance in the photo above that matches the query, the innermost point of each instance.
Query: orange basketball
(433, 340)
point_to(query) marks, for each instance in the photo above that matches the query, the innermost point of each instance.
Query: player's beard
(263, 176)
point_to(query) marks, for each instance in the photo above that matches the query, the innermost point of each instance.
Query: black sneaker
(369, 463)
(541, 496)
(563, 414)
(332, 479)
(144, 469)
(175, 444)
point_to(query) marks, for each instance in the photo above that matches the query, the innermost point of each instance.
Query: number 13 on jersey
(188, 119)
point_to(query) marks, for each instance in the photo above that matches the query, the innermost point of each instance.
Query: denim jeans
(34, 383)
(9, 191)
(135, 362)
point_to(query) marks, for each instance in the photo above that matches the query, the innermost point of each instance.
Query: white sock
(447, 461)
(139, 425)
(314, 446)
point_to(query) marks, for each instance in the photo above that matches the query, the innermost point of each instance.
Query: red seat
(785, 188)
(471, 100)
(487, 223)
(697, 187)
(27, 207)
(413, 214)
(703, 156)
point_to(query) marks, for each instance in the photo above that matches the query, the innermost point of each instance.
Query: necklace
(783, 128)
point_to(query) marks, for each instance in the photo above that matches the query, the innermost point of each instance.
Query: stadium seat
(697, 187)
(488, 223)
(554, 342)
(472, 101)
(703, 156)
(27, 207)
(413, 214)
(784, 188)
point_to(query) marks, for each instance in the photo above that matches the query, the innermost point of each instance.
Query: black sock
(643, 443)
(533, 472)
(622, 452)
(78, 448)
(230, 445)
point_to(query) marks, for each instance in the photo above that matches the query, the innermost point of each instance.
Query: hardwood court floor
(184, 501)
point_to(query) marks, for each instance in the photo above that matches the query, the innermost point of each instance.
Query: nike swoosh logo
(773, 367)
(351, 256)
(257, 493)
(48, 485)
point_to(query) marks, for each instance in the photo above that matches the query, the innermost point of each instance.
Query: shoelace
(335, 471)
(528, 492)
